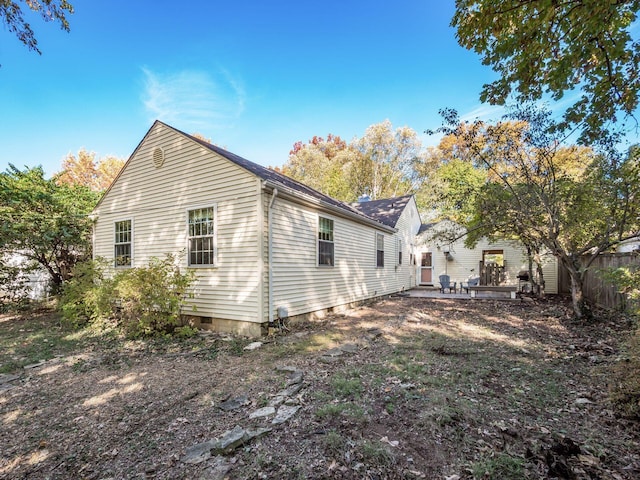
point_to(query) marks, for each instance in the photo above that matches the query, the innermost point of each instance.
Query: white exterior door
(426, 269)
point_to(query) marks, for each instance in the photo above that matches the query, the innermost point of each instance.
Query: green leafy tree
(50, 10)
(389, 163)
(566, 199)
(555, 47)
(45, 222)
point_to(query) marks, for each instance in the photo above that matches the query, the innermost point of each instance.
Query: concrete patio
(434, 292)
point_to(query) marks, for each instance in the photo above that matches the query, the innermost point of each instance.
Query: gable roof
(276, 179)
(386, 211)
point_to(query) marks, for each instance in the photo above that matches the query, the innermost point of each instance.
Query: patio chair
(445, 284)
(472, 282)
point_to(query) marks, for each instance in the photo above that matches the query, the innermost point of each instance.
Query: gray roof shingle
(386, 211)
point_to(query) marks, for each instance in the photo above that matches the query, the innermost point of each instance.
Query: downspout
(274, 193)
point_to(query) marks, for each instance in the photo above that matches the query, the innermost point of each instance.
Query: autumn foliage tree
(384, 163)
(83, 169)
(570, 200)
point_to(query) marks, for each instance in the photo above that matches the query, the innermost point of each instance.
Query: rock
(253, 346)
(291, 390)
(35, 365)
(277, 401)
(285, 412)
(295, 378)
(333, 352)
(199, 452)
(263, 412)
(6, 378)
(325, 359)
(349, 348)
(230, 440)
(218, 471)
(6, 386)
(582, 401)
(234, 403)
(286, 368)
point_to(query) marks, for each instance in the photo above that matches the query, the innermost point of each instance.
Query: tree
(552, 47)
(384, 163)
(50, 10)
(320, 163)
(390, 163)
(83, 170)
(44, 221)
(571, 201)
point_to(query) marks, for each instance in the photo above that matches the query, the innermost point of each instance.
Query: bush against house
(142, 301)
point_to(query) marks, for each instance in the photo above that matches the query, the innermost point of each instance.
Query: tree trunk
(580, 308)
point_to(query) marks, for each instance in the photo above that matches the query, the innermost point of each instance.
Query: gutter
(286, 192)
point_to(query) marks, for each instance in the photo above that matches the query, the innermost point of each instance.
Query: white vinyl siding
(190, 177)
(465, 262)
(301, 287)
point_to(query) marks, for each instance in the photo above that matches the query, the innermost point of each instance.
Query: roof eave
(308, 200)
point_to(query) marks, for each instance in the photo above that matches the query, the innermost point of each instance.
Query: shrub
(149, 298)
(87, 297)
(144, 301)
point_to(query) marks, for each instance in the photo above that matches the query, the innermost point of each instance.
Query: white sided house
(440, 250)
(262, 245)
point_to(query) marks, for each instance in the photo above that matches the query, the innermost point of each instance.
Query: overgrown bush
(624, 388)
(144, 301)
(87, 297)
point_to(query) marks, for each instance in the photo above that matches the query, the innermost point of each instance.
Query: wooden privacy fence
(596, 289)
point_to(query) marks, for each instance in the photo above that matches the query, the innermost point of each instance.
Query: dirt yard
(402, 388)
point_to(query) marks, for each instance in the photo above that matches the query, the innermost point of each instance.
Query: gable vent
(158, 157)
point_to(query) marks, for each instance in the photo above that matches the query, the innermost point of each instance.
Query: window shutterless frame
(123, 243)
(202, 233)
(325, 243)
(379, 250)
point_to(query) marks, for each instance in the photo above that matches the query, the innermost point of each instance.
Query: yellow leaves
(83, 170)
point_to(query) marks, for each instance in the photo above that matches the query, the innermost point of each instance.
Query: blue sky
(253, 76)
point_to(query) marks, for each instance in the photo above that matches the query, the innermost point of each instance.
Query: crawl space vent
(158, 157)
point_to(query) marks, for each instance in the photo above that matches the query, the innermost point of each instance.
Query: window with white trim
(325, 242)
(399, 252)
(379, 250)
(202, 236)
(122, 243)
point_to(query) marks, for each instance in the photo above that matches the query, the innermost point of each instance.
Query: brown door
(426, 269)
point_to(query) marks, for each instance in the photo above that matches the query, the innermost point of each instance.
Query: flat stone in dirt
(234, 403)
(218, 471)
(253, 346)
(285, 412)
(199, 452)
(295, 378)
(263, 412)
(6, 378)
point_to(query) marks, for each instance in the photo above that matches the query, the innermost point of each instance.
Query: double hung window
(201, 236)
(325, 242)
(122, 243)
(379, 250)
